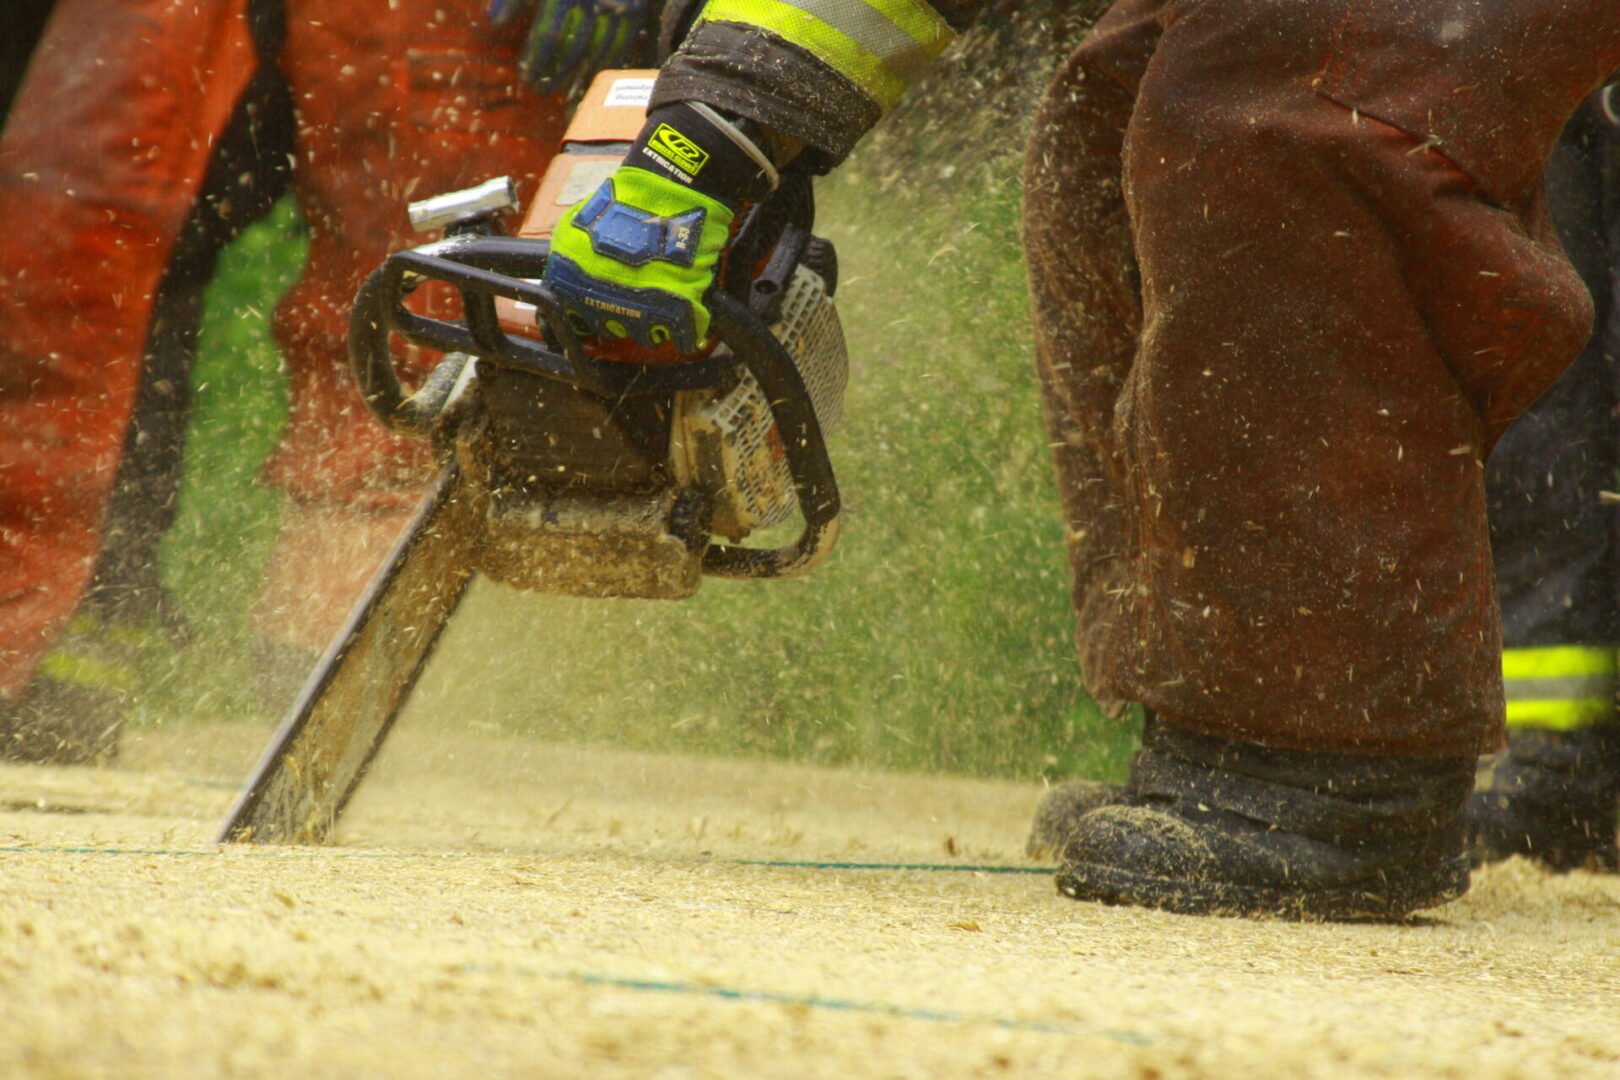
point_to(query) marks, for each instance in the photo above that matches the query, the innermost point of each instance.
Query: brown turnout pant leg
(1283, 309)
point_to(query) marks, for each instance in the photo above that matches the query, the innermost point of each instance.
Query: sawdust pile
(554, 911)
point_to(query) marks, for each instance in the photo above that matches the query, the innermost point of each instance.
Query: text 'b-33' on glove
(571, 40)
(632, 263)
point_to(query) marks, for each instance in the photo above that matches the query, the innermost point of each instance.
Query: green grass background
(215, 555)
(939, 635)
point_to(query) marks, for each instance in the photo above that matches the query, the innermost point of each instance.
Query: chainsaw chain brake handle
(483, 267)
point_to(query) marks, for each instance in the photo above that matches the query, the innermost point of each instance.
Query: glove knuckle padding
(635, 237)
(634, 261)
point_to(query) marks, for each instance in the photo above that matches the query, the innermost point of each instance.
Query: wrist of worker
(707, 152)
(780, 147)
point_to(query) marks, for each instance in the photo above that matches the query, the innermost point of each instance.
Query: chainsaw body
(600, 478)
(564, 473)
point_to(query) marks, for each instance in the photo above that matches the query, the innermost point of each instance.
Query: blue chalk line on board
(812, 1001)
(250, 852)
(661, 986)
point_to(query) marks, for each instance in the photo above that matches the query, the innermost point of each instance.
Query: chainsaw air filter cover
(726, 443)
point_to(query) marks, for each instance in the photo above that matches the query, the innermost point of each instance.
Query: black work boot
(1551, 796)
(1057, 818)
(60, 723)
(72, 710)
(1218, 827)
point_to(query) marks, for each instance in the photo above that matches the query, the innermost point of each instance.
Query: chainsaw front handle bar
(482, 268)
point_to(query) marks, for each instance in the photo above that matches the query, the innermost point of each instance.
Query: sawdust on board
(504, 908)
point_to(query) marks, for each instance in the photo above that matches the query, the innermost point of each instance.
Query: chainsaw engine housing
(590, 496)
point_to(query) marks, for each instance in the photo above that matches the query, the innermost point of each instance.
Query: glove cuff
(698, 148)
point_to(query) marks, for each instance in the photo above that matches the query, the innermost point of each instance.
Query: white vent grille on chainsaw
(810, 331)
(757, 489)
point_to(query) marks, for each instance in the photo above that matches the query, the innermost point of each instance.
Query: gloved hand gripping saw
(633, 263)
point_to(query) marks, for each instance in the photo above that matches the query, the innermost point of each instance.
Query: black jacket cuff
(748, 72)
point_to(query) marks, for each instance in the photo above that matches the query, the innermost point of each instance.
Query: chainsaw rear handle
(482, 268)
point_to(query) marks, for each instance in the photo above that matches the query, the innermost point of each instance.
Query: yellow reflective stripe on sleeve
(881, 46)
(1560, 687)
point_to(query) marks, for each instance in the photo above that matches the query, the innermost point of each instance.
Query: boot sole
(1388, 897)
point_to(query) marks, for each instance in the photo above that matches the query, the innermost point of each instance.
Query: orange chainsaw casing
(609, 117)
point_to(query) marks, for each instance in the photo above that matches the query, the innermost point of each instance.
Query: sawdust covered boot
(72, 710)
(1218, 827)
(61, 723)
(1057, 817)
(1551, 797)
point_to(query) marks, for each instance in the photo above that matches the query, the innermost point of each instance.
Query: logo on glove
(678, 150)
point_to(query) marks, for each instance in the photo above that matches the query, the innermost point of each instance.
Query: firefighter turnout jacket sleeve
(821, 71)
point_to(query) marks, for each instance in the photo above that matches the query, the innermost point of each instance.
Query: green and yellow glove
(633, 263)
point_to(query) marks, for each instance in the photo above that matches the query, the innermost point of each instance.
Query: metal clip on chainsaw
(563, 473)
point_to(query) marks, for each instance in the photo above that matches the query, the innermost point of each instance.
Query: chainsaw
(564, 473)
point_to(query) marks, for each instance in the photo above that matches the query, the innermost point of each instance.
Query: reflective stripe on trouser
(881, 46)
(94, 654)
(1560, 687)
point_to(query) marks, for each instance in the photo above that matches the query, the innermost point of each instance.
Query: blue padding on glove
(635, 237)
